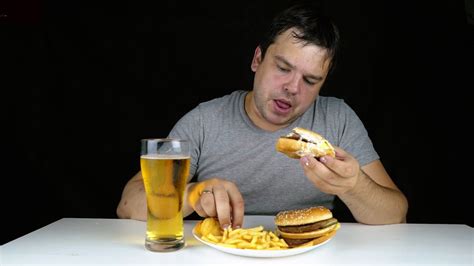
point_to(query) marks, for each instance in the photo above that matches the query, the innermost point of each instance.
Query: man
(233, 138)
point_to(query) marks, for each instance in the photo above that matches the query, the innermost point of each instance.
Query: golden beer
(165, 177)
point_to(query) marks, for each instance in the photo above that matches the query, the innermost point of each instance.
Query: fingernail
(323, 159)
(305, 161)
(225, 226)
(237, 227)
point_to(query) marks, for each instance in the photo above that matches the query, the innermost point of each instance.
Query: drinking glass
(165, 168)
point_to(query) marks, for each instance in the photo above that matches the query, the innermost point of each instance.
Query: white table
(115, 241)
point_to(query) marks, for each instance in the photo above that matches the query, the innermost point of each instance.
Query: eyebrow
(288, 64)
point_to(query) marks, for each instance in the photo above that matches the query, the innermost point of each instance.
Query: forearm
(133, 202)
(371, 203)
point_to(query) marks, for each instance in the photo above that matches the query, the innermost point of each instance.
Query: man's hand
(332, 175)
(367, 191)
(218, 198)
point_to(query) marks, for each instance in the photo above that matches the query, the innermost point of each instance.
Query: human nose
(292, 85)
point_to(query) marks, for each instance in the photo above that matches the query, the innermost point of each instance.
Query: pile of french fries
(243, 238)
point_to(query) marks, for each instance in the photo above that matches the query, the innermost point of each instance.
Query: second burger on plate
(306, 227)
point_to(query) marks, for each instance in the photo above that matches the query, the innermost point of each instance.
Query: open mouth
(282, 106)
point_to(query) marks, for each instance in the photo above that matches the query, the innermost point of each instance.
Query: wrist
(193, 193)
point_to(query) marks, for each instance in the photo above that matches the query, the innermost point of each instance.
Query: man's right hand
(218, 198)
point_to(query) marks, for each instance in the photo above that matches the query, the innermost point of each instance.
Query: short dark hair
(313, 28)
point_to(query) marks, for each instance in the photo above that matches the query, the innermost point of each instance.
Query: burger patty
(296, 242)
(295, 136)
(307, 227)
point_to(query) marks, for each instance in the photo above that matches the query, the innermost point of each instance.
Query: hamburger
(306, 227)
(301, 142)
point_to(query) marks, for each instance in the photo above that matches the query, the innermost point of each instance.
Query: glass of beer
(165, 168)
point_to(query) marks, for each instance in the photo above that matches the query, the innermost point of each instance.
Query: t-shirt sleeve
(354, 137)
(190, 127)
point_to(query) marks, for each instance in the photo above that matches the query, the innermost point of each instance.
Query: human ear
(257, 59)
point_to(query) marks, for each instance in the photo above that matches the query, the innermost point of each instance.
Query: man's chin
(280, 121)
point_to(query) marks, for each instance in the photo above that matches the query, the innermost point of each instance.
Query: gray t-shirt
(226, 144)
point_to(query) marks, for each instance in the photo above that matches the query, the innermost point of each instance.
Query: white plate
(249, 222)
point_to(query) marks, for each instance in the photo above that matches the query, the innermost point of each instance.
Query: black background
(84, 82)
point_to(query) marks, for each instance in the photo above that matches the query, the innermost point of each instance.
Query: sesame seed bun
(321, 239)
(302, 216)
(306, 227)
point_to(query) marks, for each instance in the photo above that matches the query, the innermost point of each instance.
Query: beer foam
(165, 157)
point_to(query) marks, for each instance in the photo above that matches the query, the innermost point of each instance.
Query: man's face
(287, 81)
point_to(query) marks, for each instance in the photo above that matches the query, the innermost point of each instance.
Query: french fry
(243, 238)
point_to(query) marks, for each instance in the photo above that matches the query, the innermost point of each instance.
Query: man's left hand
(332, 175)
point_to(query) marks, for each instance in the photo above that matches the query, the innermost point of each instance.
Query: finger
(340, 153)
(319, 174)
(222, 206)
(324, 185)
(345, 166)
(199, 210)
(238, 205)
(312, 166)
(208, 203)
